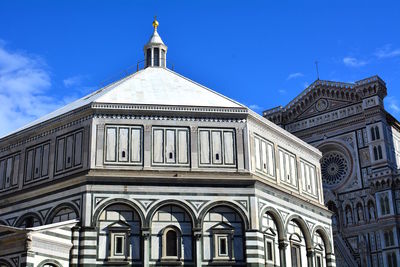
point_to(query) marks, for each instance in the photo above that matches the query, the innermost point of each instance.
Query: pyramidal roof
(150, 86)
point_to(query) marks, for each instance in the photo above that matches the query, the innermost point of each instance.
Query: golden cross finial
(155, 23)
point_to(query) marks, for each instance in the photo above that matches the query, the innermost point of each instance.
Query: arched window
(372, 134)
(64, 214)
(380, 152)
(375, 153)
(172, 233)
(120, 230)
(172, 243)
(377, 134)
(4, 264)
(28, 222)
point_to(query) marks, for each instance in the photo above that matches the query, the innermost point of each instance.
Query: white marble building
(158, 170)
(360, 142)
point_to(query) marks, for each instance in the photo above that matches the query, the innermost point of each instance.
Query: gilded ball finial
(155, 23)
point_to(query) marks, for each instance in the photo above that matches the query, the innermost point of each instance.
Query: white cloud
(282, 91)
(393, 104)
(387, 52)
(73, 81)
(295, 75)
(255, 107)
(24, 84)
(353, 62)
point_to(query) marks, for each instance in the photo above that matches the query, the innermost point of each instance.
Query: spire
(155, 50)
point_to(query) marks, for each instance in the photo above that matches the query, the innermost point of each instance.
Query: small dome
(155, 38)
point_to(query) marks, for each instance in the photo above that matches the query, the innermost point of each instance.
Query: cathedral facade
(360, 143)
(157, 170)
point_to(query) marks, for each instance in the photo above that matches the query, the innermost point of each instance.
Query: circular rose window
(334, 168)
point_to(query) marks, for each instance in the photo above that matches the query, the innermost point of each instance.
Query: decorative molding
(11, 221)
(243, 203)
(98, 200)
(43, 134)
(146, 202)
(44, 212)
(197, 204)
(167, 118)
(216, 110)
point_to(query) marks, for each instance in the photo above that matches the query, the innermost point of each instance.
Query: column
(310, 257)
(146, 246)
(282, 252)
(197, 233)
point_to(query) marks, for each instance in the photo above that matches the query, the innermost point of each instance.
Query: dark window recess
(37, 170)
(123, 154)
(148, 60)
(171, 156)
(119, 242)
(69, 160)
(217, 156)
(265, 166)
(269, 249)
(288, 177)
(172, 249)
(156, 57)
(8, 179)
(222, 248)
(29, 222)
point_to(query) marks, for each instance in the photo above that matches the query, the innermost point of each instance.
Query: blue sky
(260, 53)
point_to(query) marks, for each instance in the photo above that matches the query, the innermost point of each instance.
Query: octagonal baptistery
(158, 170)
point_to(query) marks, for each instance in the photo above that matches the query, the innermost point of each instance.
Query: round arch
(303, 227)
(5, 262)
(27, 215)
(325, 237)
(50, 262)
(163, 203)
(277, 219)
(114, 201)
(231, 205)
(59, 207)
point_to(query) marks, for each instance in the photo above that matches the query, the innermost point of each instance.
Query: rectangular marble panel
(60, 154)
(216, 138)
(78, 149)
(264, 156)
(38, 162)
(271, 160)
(229, 149)
(111, 142)
(9, 170)
(2, 173)
(170, 146)
(293, 170)
(158, 146)
(29, 165)
(136, 148)
(123, 142)
(45, 160)
(69, 151)
(16, 170)
(183, 146)
(204, 147)
(282, 166)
